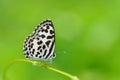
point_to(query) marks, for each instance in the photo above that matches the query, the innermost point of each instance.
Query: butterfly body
(41, 44)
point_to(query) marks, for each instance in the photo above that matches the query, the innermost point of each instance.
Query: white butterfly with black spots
(41, 43)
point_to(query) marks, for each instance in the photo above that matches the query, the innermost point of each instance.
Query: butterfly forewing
(41, 44)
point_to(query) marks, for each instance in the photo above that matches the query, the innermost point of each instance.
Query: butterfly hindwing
(41, 44)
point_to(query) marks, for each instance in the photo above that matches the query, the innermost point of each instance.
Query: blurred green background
(87, 37)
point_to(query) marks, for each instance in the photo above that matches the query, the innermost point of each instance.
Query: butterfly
(40, 44)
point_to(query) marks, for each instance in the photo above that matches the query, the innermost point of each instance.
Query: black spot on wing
(47, 27)
(27, 53)
(31, 54)
(38, 53)
(50, 37)
(39, 42)
(38, 38)
(40, 56)
(25, 48)
(38, 47)
(41, 50)
(45, 52)
(44, 30)
(47, 43)
(43, 36)
(51, 31)
(31, 46)
(54, 55)
(27, 56)
(33, 51)
(31, 40)
(44, 46)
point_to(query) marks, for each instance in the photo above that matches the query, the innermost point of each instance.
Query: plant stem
(63, 73)
(38, 64)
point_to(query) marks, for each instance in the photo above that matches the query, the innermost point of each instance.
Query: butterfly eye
(40, 45)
